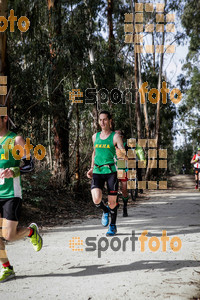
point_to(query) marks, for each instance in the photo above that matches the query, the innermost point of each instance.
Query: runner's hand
(89, 173)
(7, 173)
(121, 153)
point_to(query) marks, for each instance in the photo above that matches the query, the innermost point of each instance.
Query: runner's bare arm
(194, 160)
(117, 140)
(20, 141)
(10, 172)
(93, 153)
(92, 163)
(28, 164)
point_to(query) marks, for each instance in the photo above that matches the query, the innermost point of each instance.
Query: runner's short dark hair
(106, 113)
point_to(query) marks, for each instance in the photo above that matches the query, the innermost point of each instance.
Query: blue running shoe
(112, 230)
(105, 219)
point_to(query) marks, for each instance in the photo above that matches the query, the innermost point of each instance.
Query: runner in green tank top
(104, 154)
(11, 197)
(103, 170)
(9, 187)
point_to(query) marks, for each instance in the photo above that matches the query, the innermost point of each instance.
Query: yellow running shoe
(36, 238)
(6, 274)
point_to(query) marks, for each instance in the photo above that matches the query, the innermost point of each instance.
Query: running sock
(31, 232)
(113, 213)
(102, 206)
(125, 200)
(7, 264)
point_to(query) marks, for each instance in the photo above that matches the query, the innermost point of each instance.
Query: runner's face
(104, 122)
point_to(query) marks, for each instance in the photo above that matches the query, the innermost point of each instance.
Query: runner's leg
(11, 233)
(3, 254)
(139, 177)
(112, 185)
(124, 189)
(125, 198)
(97, 185)
(7, 271)
(11, 213)
(113, 208)
(97, 199)
(11, 209)
(196, 178)
(112, 202)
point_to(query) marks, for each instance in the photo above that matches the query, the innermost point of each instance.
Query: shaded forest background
(80, 45)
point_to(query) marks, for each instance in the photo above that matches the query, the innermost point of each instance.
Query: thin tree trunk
(92, 59)
(97, 106)
(50, 4)
(137, 104)
(146, 119)
(139, 76)
(110, 26)
(145, 111)
(49, 133)
(77, 172)
(143, 106)
(49, 142)
(3, 38)
(111, 49)
(157, 125)
(157, 133)
(60, 120)
(130, 117)
(154, 54)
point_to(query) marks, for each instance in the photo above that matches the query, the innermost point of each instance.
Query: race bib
(2, 180)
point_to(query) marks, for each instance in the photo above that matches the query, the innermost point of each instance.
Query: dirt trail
(183, 182)
(58, 272)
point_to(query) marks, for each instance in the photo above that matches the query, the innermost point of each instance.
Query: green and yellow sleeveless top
(104, 154)
(9, 187)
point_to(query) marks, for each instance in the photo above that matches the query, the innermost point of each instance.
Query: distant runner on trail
(196, 161)
(11, 198)
(103, 170)
(183, 169)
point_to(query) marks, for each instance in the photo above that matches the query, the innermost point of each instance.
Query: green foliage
(190, 108)
(191, 20)
(52, 57)
(34, 186)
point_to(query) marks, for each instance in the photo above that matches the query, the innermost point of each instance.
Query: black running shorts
(196, 170)
(10, 209)
(99, 180)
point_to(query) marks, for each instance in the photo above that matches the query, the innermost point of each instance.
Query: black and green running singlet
(104, 154)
